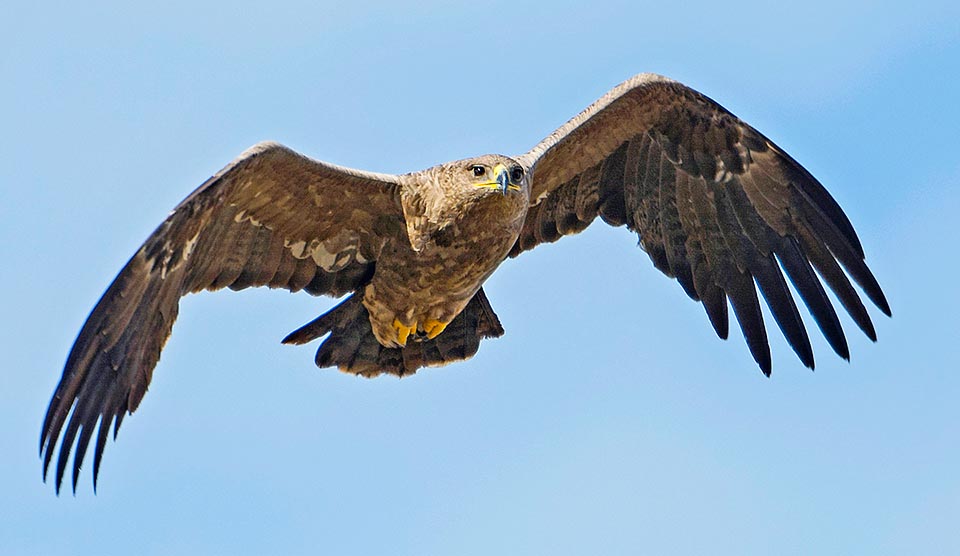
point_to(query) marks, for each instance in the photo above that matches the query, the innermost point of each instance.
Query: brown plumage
(715, 204)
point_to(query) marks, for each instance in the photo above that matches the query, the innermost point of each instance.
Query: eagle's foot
(426, 330)
(433, 328)
(403, 332)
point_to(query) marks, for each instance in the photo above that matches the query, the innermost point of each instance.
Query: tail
(353, 348)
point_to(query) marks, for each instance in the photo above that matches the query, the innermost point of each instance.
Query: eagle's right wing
(271, 218)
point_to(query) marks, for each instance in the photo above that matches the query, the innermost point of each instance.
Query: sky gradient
(609, 419)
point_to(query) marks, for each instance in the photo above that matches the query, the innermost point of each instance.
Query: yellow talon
(433, 328)
(403, 332)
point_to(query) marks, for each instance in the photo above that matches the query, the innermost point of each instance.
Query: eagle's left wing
(716, 205)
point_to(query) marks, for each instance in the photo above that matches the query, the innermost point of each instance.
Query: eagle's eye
(516, 175)
(478, 170)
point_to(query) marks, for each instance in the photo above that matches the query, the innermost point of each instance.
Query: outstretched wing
(716, 205)
(270, 218)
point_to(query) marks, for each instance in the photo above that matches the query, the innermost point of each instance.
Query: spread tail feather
(352, 347)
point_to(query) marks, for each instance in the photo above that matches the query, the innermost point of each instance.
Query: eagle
(715, 204)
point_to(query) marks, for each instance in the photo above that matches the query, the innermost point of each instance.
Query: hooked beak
(503, 178)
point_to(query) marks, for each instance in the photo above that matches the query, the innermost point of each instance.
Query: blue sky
(609, 419)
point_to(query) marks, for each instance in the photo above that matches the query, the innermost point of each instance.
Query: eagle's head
(495, 172)
(492, 175)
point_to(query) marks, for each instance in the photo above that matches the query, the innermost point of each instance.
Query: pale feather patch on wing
(332, 254)
(722, 175)
(172, 256)
(242, 217)
(190, 245)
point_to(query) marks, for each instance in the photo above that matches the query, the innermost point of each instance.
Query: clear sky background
(609, 419)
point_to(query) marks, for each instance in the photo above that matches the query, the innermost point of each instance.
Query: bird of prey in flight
(715, 204)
